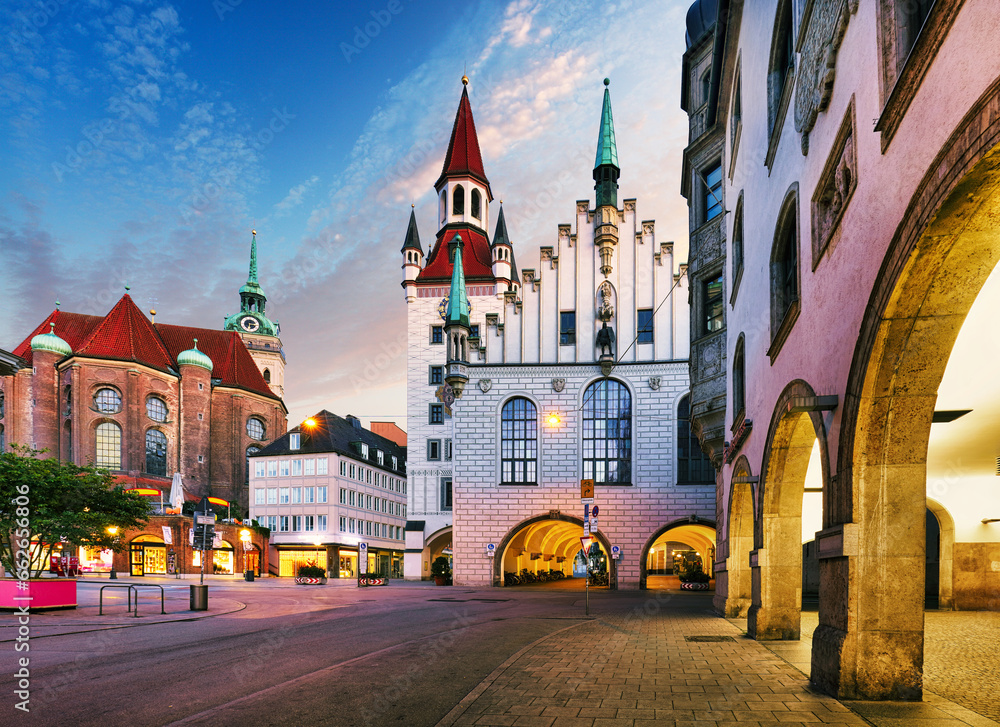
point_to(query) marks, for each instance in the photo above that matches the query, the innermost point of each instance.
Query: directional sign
(586, 489)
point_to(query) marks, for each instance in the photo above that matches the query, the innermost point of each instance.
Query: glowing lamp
(553, 420)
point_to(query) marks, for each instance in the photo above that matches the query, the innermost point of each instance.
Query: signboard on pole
(491, 550)
(616, 552)
(362, 558)
(587, 490)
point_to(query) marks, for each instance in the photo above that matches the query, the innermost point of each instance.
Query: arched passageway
(546, 548)
(674, 547)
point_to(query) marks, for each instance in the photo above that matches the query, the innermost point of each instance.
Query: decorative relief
(823, 28)
(629, 205)
(558, 385)
(835, 187)
(582, 206)
(485, 385)
(647, 228)
(605, 306)
(563, 232)
(530, 279)
(654, 383)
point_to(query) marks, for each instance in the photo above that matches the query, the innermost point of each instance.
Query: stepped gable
(232, 363)
(74, 328)
(126, 334)
(477, 261)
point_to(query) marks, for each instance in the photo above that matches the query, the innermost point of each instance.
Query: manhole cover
(711, 639)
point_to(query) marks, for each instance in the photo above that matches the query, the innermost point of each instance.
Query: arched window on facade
(256, 429)
(108, 401)
(607, 432)
(443, 207)
(458, 201)
(108, 448)
(910, 17)
(69, 440)
(739, 380)
(782, 62)
(3, 441)
(476, 204)
(156, 409)
(785, 267)
(693, 466)
(519, 442)
(737, 255)
(267, 375)
(156, 452)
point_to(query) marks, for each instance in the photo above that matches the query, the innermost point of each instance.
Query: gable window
(476, 204)
(436, 375)
(156, 408)
(437, 334)
(567, 328)
(108, 401)
(294, 440)
(458, 201)
(785, 271)
(109, 445)
(519, 442)
(712, 297)
(712, 200)
(693, 466)
(607, 432)
(156, 452)
(644, 324)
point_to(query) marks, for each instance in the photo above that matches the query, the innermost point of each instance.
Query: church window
(458, 201)
(267, 375)
(68, 397)
(785, 271)
(108, 401)
(712, 300)
(607, 432)
(476, 204)
(156, 409)
(446, 493)
(712, 192)
(1, 405)
(693, 466)
(567, 328)
(437, 334)
(69, 440)
(519, 442)
(109, 446)
(644, 325)
(436, 416)
(255, 428)
(156, 452)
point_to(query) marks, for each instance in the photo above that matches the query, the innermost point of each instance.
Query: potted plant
(310, 575)
(441, 571)
(45, 502)
(693, 578)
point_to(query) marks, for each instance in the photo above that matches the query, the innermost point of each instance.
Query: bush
(440, 567)
(311, 571)
(693, 574)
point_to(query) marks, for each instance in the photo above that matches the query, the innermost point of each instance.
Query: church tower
(606, 173)
(259, 333)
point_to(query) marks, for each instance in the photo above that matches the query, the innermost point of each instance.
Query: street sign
(491, 549)
(616, 552)
(586, 489)
(585, 542)
(594, 511)
(362, 558)
(586, 528)
(205, 519)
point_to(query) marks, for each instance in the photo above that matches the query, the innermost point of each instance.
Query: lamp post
(113, 532)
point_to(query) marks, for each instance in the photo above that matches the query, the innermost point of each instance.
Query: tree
(47, 501)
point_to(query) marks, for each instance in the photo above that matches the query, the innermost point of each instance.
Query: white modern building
(326, 487)
(573, 369)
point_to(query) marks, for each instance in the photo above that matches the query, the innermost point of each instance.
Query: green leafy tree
(47, 501)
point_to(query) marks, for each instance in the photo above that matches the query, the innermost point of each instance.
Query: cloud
(295, 195)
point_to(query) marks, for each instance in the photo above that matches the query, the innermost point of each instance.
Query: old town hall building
(522, 383)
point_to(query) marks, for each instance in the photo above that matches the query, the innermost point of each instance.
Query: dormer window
(476, 204)
(380, 455)
(394, 463)
(364, 450)
(294, 440)
(458, 201)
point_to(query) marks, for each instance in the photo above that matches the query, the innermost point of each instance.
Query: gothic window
(712, 192)
(739, 380)
(644, 325)
(443, 207)
(108, 401)
(252, 449)
(69, 441)
(476, 204)
(3, 442)
(1, 405)
(68, 391)
(693, 467)
(156, 452)
(518, 442)
(267, 376)
(607, 432)
(567, 328)
(109, 446)
(458, 201)
(156, 409)
(785, 271)
(255, 428)
(780, 67)
(736, 259)
(712, 301)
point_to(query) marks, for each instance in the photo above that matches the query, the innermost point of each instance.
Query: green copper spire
(458, 299)
(606, 170)
(607, 151)
(251, 318)
(253, 258)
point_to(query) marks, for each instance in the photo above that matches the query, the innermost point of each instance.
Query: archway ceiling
(549, 537)
(699, 537)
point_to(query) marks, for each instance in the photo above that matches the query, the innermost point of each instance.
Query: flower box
(39, 594)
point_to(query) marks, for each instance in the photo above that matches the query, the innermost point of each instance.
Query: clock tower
(259, 333)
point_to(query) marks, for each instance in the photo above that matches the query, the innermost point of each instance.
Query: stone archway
(549, 537)
(696, 532)
(733, 599)
(776, 562)
(869, 644)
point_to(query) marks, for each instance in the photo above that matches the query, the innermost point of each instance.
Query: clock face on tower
(249, 324)
(443, 308)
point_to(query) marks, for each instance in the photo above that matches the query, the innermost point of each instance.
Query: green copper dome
(51, 342)
(194, 357)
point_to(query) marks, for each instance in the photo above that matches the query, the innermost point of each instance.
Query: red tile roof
(477, 259)
(463, 155)
(125, 334)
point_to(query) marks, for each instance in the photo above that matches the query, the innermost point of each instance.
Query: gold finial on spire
(152, 312)
(465, 80)
(253, 232)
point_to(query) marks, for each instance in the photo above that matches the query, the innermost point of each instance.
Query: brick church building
(146, 399)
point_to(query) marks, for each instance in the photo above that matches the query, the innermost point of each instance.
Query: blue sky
(141, 142)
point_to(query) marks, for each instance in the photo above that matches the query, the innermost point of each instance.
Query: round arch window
(108, 401)
(255, 428)
(156, 409)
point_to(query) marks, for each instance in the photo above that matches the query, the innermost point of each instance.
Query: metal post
(586, 586)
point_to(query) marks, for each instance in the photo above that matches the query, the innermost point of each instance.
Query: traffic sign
(594, 511)
(586, 489)
(585, 543)
(616, 552)
(586, 528)
(205, 519)
(491, 549)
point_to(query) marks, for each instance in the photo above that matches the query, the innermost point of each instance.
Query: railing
(132, 588)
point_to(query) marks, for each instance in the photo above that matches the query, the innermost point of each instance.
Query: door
(253, 561)
(137, 560)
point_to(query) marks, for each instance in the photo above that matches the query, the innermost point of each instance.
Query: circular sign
(594, 511)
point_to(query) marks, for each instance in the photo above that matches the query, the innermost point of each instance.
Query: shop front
(291, 559)
(147, 556)
(95, 560)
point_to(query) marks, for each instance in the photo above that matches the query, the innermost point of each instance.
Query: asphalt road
(294, 656)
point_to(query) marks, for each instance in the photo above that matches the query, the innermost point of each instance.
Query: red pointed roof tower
(464, 196)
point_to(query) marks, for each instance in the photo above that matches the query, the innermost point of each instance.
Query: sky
(140, 142)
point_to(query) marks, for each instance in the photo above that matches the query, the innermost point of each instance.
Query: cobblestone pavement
(642, 667)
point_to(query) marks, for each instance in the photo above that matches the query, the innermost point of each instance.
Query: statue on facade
(606, 340)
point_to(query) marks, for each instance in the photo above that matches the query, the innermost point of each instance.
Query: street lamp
(113, 532)
(553, 420)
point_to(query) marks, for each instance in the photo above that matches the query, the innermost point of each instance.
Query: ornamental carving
(835, 187)
(558, 385)
(654, 383)
(605, 308)
(485, 385)
(823, 30)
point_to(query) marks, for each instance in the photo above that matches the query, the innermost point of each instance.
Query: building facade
(861, 399)
(573, 369)
(324, 489)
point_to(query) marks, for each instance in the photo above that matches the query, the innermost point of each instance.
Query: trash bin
(199, 598)
(249, 575)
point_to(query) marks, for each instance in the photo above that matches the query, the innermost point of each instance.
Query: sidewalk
(668, 662)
